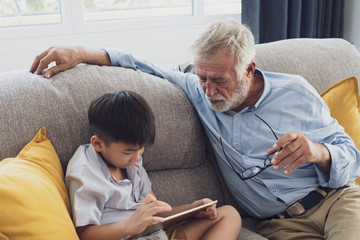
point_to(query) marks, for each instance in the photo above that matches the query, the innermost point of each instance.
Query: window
(95, 10)
(215, 7)
(30, 12)
(22, 13)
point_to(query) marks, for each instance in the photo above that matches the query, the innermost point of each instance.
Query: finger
(291, 158)
(198, 203)
(287, 151)
(155, 219)
(209, 214)
(158, 209)
(35, 64)
(149, 198)
(54, 70)
(44, 63)
(284, 140)
(294, 165)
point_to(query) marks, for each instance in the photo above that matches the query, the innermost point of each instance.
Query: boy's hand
(209, 213)
(144, 215)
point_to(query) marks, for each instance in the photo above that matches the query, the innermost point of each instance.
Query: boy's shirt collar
(131, 170)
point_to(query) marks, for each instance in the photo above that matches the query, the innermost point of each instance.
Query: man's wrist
(324, 157)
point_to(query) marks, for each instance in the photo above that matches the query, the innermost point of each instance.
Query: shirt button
(236, 144)
(275, 191)
(258, 176)
(246, 158)
(237, 116)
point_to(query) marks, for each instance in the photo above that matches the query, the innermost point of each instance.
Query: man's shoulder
(291, 82)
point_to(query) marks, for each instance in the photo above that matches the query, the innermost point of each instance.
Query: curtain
(272, 20)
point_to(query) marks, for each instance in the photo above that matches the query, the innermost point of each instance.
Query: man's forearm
(94, 56)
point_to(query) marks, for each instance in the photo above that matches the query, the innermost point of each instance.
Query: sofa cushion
(34, 200)
(343, 101)
(3, 237)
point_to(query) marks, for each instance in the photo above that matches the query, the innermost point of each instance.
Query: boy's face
(118, 154)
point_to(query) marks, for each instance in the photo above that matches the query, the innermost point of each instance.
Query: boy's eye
(126, 153)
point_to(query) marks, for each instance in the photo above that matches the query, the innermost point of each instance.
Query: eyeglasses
(255, 170)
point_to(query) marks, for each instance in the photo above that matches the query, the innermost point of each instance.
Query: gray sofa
(180, 163)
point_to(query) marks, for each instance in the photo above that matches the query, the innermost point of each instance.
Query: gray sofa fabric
(180, 163)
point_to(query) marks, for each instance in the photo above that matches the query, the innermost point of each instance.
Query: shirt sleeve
(87, 196)
(188, 82)
(345, 157)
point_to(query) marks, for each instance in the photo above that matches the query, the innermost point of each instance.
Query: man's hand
(209, 212)
(145, 214)
(66, 58)
(296, 149)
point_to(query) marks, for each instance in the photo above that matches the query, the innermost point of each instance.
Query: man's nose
(210, 89)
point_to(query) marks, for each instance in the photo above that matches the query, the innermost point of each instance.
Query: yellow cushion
(3, 237)
(33, 197)
(343, 101)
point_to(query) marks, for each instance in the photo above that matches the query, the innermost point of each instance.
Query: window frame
(73, 23)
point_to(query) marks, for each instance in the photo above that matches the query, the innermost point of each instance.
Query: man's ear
(250, 69)
(97, 142)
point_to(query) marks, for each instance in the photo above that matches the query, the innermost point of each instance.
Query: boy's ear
(97, 142)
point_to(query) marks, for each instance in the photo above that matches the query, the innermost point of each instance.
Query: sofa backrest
(322, 62)
(176, 163)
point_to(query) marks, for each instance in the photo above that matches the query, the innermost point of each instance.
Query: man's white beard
(237, 98)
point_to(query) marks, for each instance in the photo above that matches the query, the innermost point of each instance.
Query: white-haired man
(283, 157)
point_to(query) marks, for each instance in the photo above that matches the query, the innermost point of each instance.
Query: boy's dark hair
(122, 117)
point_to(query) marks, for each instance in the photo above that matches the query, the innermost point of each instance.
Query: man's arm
(66, 58)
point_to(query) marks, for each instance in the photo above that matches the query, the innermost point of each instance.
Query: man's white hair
(235, 38)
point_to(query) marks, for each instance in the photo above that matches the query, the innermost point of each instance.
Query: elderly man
(283, 157)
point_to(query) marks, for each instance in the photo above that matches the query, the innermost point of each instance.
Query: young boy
(109, 189)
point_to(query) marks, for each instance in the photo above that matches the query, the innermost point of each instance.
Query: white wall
(167, 44)
(164, 45)
(351, 22)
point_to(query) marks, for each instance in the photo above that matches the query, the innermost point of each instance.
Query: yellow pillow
(34, 202)
(343, 101)
(3, 237)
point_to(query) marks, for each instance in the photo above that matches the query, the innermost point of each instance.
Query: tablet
(174, 219)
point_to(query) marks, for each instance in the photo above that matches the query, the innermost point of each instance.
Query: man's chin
(218, 107)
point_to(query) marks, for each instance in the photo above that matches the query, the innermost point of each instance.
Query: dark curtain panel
(272, 20)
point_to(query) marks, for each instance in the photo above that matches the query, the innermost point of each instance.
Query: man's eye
(126, 153)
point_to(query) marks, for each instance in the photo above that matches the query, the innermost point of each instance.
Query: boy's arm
(209, 212)
(144, 216)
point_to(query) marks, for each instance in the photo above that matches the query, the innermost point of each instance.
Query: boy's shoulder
(84, 156)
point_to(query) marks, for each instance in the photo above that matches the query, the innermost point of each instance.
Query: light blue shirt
(288, 104)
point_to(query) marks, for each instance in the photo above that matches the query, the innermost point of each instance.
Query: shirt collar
(131, 171)
(266, 90)
(263, 95)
